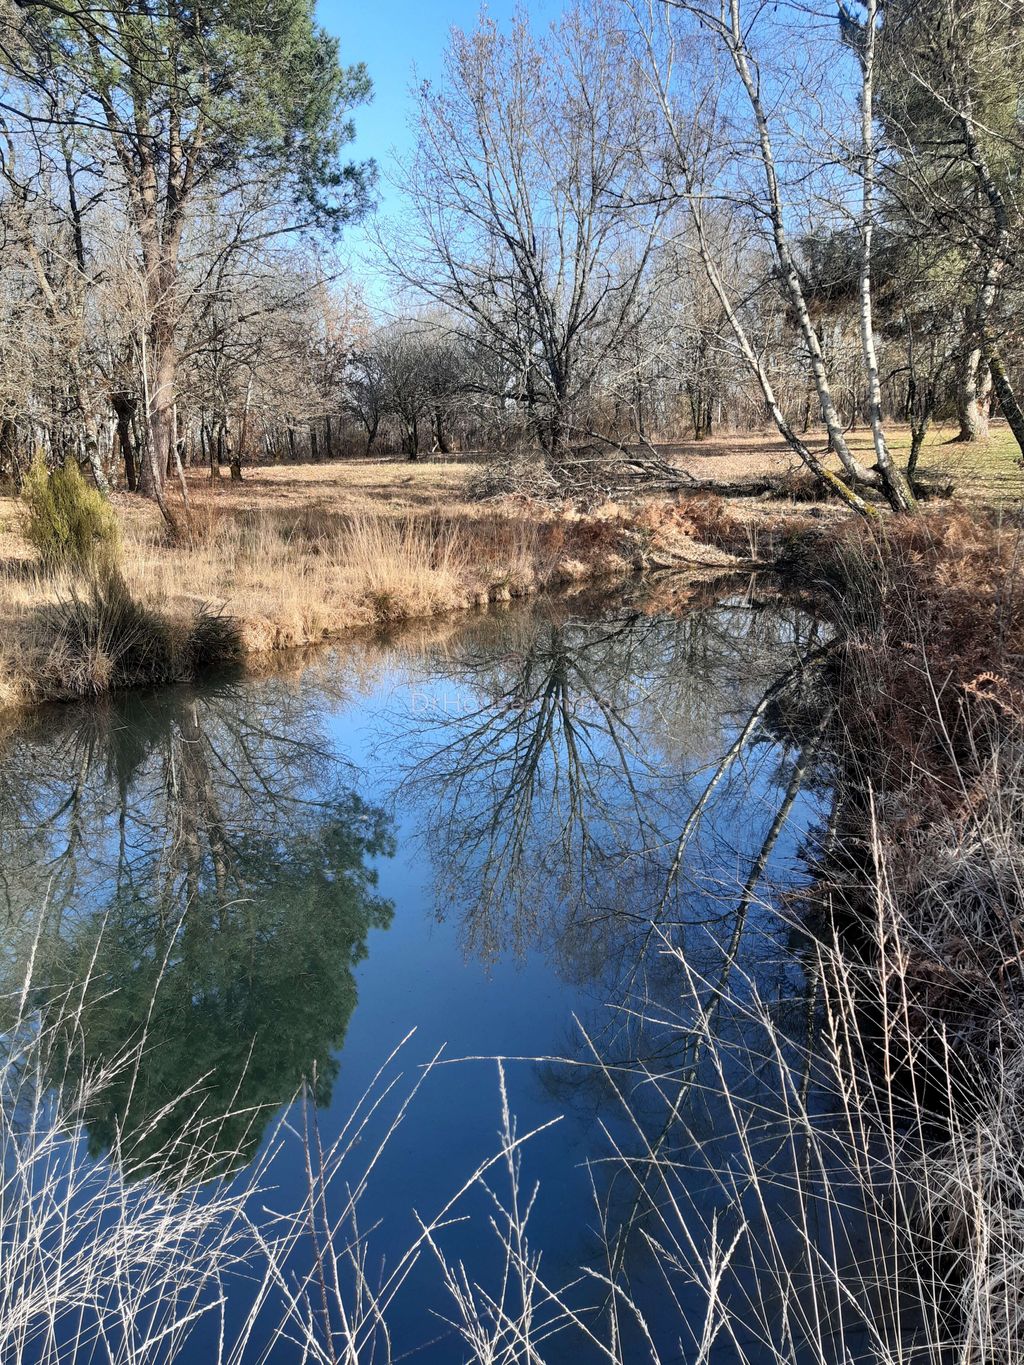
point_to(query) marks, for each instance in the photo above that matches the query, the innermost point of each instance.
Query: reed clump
(102, 639)
(96, 635)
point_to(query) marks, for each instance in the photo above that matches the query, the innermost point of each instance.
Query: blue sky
(392, 37)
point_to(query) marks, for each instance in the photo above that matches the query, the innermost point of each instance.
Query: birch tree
(712, 126)
(865, 36)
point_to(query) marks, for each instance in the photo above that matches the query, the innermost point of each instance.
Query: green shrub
(69, 524)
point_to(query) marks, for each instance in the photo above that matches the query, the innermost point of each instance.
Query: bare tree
(712, 129)
(529, 218)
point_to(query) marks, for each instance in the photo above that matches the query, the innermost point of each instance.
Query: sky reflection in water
(481, 831)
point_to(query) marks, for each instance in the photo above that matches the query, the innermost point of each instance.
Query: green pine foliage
(69, 525)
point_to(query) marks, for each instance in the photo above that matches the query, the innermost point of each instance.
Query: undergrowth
(103, 639)
(922, 880)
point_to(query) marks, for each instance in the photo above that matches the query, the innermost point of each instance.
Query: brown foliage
(707, 518)
(928, 685)
(933, 616)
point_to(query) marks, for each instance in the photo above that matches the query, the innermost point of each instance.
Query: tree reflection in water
(598, 784)
(206, 877)
(613, 792)
(597, 790)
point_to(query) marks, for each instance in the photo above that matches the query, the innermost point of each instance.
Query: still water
(537, 835)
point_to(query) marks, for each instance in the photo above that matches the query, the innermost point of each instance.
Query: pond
(561, 835)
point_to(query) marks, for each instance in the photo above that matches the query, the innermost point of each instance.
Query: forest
(632, 227)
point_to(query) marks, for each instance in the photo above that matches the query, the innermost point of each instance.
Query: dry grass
(932, 667)
(296, 556)
(923, 881)
(299, 554)
(987, 472)
(878, 1192)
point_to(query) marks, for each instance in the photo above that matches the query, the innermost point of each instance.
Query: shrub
(928, 608)
(709, 520)
(105, 639)
(202, 528)
(69, 524)
(214, 641)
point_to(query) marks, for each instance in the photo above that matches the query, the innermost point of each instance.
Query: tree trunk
(371, 433)
(411, 440)
(211, 448)
(9, 449)
(732, 29)
(92, 455)
(896, 486)
(179, 468)
(159, 381)
(439, 432)
(1007, 398)
(846, 491)
(124, 409)
(243, 434)
(160, 420)
(920, 420)
(233, 452)
(995, 265)
(973, 383)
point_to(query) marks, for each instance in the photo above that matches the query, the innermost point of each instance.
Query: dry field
(295, 555)
(986, 472)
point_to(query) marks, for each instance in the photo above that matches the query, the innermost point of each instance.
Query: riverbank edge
(99, 638)
(920, 884)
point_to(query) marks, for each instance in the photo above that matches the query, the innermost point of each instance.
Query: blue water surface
(491, 839)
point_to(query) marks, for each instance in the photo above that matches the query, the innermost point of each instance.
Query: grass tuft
(103, 639)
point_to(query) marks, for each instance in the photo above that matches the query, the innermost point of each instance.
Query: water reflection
(619, 793)
(602, 799)
(600, 785)
(585, 785)
(205, 874)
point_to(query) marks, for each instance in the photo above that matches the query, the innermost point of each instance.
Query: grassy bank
(294, 557)
(921, 896)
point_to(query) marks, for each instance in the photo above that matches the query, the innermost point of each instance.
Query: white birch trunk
(736, 43)
(896, 486)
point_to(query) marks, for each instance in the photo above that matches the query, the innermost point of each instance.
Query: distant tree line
(645, 223)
